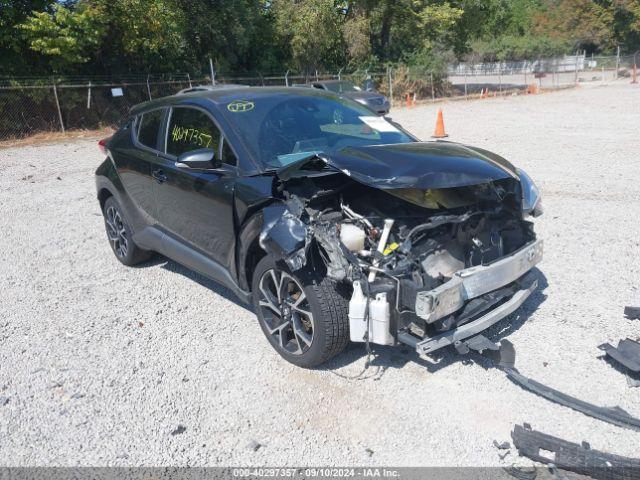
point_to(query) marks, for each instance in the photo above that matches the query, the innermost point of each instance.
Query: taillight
(102, 144)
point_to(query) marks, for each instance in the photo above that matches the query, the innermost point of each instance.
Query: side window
(148, 127)
(228, 156)
(191, 129)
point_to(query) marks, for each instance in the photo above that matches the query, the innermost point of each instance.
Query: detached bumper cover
(546, 449)
(473, 282)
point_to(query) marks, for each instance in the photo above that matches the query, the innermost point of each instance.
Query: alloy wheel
(286, 311)
(116, 232)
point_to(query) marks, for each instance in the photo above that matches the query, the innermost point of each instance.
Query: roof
(218, 86)
(330, 81)
(225, 95)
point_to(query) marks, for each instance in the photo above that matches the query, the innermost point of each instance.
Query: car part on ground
(614, 415)
(581, 459)
(522, 473)
(627, 353)
(632, 313)
(505, 359)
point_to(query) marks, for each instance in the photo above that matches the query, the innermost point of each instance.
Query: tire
(326, 301)
(120, 235)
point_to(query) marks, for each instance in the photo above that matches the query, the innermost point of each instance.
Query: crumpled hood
(421, 165)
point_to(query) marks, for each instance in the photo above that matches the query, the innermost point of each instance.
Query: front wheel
(303, 314)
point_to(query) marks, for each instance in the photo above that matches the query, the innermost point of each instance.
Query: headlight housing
(531, 204)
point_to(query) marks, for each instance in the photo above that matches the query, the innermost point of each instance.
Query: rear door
(134, 159)
(196, 207)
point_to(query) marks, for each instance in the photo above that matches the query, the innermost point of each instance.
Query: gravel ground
(106, 365)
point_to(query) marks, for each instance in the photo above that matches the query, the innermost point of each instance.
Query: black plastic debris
(180, 429)
(505, 359)
(613, 415)
(632, 313)
(521, 473)
(627, 353)
(479, 343)
(501, 446)
(581, 459)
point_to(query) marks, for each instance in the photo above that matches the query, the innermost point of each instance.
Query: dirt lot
(106, 365)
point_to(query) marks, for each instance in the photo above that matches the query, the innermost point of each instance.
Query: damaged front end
(433, 237)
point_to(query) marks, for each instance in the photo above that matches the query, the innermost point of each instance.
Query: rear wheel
(303, 314)
(120, 235)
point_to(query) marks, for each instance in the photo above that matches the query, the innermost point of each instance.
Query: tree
(312, 28)
(64, 37)
(15, 56)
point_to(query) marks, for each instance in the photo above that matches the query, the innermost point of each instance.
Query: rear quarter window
(148, 128)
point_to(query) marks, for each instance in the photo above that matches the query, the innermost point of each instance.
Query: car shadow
(383, 358)
(215, 287)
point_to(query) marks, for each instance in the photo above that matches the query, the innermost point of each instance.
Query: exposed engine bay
(422, 262)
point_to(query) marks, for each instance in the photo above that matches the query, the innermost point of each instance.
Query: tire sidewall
(128, 259)
(316, 352)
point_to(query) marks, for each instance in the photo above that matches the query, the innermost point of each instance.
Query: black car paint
(373, 100)
(210, 221)
(421, 165)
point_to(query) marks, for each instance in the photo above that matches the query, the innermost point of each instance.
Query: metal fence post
(500, 77)
(189, 78)
(465, 80)
(286, 78)
(89, 96)
(433, 92)
(149, 88)
(55, 94)
(390, 85)
(213, 73)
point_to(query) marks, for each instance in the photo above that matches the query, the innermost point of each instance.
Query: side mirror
(202, 159)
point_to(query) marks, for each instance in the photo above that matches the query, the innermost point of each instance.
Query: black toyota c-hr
(333, 222)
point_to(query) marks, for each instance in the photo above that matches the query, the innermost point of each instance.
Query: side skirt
(151, 238)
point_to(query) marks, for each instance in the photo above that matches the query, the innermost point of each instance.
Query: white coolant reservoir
(357, 307)
(380, 320)
(352, 236)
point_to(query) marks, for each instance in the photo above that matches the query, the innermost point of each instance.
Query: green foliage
(155, 36)
(312, 29)
(65, 37)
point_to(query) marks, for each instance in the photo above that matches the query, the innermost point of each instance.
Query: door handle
(159, 176)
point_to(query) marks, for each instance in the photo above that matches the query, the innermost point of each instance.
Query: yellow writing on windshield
(191, 135)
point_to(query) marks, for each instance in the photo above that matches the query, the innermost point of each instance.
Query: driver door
(196, 207)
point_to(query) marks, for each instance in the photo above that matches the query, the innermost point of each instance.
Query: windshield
(341, 87)
(281, 128)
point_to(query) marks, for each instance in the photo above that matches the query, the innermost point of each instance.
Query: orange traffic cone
(439, 132)
(634, 74)
(408, 101)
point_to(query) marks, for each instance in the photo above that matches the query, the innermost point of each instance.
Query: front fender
(247, 244)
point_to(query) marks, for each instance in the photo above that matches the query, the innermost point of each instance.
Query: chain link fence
(32, 105)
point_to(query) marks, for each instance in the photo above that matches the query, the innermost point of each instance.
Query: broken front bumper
(473, 282)
(527, 284)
